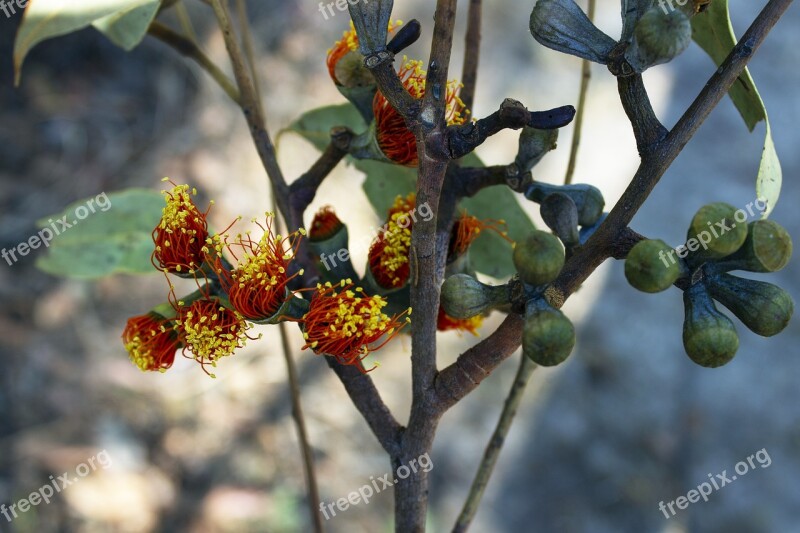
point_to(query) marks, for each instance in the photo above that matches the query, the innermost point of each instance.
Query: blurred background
(628, 422)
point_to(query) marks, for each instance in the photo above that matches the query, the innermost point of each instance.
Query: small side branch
(511, 115)
(188, 48)
(515, 395)
(472, 53)
(304, 189)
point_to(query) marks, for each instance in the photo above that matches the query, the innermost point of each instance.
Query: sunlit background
(628, 422)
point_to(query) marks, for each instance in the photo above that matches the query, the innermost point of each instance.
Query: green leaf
(713, 31)
(125, 21)
(117, 240)
(127, 28)
(315, 125)
(490, 254)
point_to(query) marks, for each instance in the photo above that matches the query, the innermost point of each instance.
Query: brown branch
(302, 434)
(252, 111)
(472, 53)
(367, 400)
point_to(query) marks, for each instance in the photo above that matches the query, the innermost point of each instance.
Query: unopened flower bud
(648, 267)
(709, 336)
(763, 307)
(548, 336)
(539, 258)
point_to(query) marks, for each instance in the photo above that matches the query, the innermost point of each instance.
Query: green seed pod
(548, 336)
(763, 307)
(715, 230)
(768, 248)
(709, 336)
(465, 297)
(539, 258)
(588, 199)
(659, 37)
(651, 266)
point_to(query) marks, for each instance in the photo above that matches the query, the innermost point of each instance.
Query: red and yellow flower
(388, 255)
(210, 331)
(344, 323)
(151, 342)
(180, 237)
(445, 322)
(396, 141)
(258, 286)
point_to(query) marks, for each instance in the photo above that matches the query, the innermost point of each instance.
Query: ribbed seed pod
(768, 248)
(658, 38)
(538, 258)
(709, 336)
(465, 297)
(652, 266)
(716, 232)
(763, 307)
(548, 336)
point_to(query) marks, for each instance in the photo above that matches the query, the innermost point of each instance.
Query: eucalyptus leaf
(117, 240)
(45, 19)
(127, 28)
(713, 31)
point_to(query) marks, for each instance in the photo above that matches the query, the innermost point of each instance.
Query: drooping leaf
(127, 28)
(490, 254)
(125, 21)
(713, 31)
(117, 240)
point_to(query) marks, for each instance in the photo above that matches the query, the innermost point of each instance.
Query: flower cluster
(213, 322)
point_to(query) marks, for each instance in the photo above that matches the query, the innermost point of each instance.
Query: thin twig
(524, 373)
(302, 434)
(249, 48)
(252, 112)
(472, 53)
(186, 47)
(300, 423)
(185, 21)
(586, 76)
